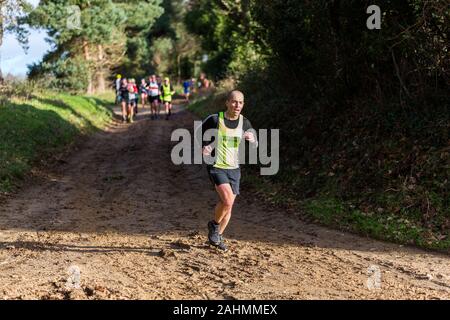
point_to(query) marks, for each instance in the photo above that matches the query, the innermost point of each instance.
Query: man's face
(235, 104)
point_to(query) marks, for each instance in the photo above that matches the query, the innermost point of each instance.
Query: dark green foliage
(175, 51)
(229, 35)
(364, 115)
(327, 43)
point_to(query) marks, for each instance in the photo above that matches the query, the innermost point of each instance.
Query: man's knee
(228, 202)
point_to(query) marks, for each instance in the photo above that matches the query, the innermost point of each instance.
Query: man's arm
(250, 134)
(209, 123)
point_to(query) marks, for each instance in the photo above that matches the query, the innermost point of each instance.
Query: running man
(225, 173)
(186, 89)
(132, 93)
(159, 81)
(123, 98)
(118, 82)
(143, 92)
(136, 96)
(153, 93)
(166, 96)
(193, 85)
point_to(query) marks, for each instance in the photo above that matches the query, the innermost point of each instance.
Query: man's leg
(152, 109)
(143, 98)
(130, 111)
(225, 205)
(167, 104)
(124, 110)
(222, 216)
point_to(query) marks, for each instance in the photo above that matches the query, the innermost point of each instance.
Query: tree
(10, 11)
(174, 49)
(230, 35)
(141, 17)
(94, 33)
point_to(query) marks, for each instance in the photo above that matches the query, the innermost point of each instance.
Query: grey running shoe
(222, 246)
(213, 234)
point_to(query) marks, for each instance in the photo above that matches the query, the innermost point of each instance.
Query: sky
(14, 60)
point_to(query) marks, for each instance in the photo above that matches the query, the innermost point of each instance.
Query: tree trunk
(101, 73)
(87, 57)
(335, 24)
(179, 67)
(1, 41)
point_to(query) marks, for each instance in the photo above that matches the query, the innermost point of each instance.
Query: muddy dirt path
(120, 217)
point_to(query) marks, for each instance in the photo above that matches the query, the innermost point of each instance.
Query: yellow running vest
(228, 141)
(166, 93)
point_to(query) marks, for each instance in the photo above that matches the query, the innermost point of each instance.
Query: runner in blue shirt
(187, 89)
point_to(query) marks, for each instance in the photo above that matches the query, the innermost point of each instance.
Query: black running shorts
(153, 98)
(221, 176)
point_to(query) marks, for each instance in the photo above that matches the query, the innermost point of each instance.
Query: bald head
(235, 94)
(234, 103)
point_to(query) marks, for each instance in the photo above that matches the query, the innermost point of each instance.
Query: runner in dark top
(123, 98)
(231, 129)
(143, 92)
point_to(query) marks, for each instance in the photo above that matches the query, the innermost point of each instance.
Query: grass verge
(33, 129)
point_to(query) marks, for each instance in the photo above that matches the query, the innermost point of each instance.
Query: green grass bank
(44, 124)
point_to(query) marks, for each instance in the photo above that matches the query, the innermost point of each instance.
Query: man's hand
(250, 137)
(207, 150)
